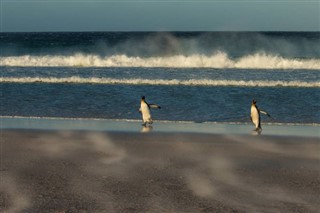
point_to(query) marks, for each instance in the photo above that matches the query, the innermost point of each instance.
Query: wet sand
(96, 171)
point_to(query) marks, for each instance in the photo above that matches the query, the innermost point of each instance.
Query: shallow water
(107, 125)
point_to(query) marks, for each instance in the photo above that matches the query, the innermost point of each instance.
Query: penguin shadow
(146, 128)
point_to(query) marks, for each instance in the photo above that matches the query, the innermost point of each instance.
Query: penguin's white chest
(255, 116)
(146, 116)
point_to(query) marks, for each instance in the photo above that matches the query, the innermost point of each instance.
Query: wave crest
(172, 82)
(218, 60)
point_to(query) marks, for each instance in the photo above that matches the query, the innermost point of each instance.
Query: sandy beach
(70, 170)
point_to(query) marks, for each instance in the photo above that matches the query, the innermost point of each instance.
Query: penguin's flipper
(264, 112)
(154, 106)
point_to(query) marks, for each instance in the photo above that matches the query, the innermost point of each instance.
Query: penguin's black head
(143, 98)
(254, 101)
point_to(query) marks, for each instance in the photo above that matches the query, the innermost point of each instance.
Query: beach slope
(90, 171)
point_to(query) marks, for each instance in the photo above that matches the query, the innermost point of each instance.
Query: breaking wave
(172, 82)
(217, 60)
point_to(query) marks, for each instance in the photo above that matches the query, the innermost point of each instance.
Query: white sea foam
(172, 82)
(217, 60)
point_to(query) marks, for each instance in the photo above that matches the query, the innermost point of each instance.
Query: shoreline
(116, 125)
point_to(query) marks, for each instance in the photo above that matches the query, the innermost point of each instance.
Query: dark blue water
(195, 77)
(181, 103)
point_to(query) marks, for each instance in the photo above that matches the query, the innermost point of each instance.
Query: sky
(159, 15)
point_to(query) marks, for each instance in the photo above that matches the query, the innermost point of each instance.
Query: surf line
(161, 82)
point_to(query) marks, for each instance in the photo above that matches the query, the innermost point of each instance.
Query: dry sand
(88, 171)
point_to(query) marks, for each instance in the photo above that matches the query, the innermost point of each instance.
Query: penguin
(145, 111)
(255, 115)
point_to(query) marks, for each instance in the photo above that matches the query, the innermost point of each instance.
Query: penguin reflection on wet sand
(255, 115)
(145, 111)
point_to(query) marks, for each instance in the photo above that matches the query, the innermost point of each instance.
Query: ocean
(194, 76)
